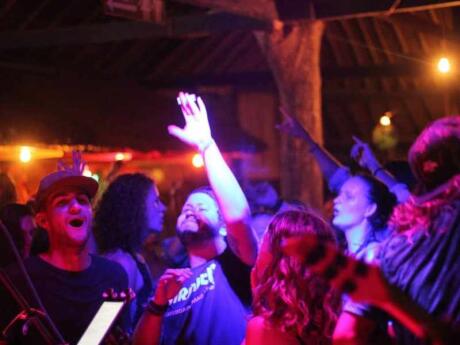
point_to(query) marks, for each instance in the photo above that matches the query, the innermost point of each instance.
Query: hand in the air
(363, 155)
(196, 131)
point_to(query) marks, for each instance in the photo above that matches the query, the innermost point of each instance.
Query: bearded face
(199, 219)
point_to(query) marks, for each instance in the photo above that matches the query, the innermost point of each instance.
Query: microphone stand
(49, 332)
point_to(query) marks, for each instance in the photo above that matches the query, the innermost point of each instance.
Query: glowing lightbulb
(25, 155)
(443, 65)
(119, 156)
(197, 161)
(385, 120)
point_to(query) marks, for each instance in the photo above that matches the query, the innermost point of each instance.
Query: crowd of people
(383, 270)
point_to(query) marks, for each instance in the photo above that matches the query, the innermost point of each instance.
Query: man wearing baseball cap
(68, 279)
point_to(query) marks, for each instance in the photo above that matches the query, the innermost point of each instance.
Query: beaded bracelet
(156, 309)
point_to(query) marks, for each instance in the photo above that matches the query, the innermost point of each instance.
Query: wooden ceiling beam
(320, 9)
(196, 25)
(265, 77)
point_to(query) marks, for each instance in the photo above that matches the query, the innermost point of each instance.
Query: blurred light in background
(197, 161)
(25, 154)
(158, 175)
(444, 65)
(385, 119)
(123, 156)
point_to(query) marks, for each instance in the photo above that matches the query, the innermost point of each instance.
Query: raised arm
(363, 155)
(230, 197)
(326, 161)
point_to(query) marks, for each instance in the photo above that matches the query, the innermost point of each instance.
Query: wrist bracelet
(156, 309)
(375, 172)
(206, 145)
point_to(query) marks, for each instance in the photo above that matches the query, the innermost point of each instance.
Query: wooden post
(293, 53)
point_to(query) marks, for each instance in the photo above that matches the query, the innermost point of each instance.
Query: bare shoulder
(260, 332)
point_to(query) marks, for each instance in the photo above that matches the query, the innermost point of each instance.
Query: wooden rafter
(119, 31)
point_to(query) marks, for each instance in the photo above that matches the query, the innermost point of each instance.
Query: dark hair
(7, 190)
(434, 157)
(120, 218)
(435, 160)
(385, 201)
(11, 215)
(286, 294)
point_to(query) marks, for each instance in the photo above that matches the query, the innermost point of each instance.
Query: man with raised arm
(206, 303)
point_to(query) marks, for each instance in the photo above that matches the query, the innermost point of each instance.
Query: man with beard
(205, 304)
(69, 280)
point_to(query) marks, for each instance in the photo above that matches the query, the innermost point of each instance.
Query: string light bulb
(25, 154)
(385, 119)
(444, 65)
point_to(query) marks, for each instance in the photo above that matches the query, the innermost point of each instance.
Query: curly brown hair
(120, 219)
(286, 294)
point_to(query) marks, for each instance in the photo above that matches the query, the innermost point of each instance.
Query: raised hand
(363, 155)
(291, 126)
(196, 131)
(170, 284)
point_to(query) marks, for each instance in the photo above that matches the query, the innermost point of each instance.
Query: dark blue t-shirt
(207, 310)
(70, 298)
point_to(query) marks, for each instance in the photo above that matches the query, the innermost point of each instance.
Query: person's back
(291, 305)
(421, 258)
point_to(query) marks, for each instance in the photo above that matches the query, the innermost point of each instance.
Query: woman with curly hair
(291, 305)
(127, 213)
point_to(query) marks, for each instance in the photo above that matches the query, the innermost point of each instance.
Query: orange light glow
(25, 154)
(444, 65)
(197, 161)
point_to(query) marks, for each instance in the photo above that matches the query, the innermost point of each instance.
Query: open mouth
(76, 223)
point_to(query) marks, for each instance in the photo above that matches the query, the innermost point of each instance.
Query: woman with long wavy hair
(129, 210)
(291, 305)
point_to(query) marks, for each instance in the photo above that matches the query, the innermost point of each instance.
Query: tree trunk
(293, 53)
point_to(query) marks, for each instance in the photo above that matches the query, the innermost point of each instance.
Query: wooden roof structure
(372, 61)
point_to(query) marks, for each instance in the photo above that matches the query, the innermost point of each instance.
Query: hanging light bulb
(444, 65)
(25, 154)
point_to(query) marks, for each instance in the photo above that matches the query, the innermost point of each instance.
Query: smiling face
(199, 218)
(155, 211)
(352, 206)
(67, 218)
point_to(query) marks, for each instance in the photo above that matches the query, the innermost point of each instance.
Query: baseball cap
(60, 180)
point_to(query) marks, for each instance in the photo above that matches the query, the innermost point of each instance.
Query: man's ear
(42, 220)
(371, 210)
